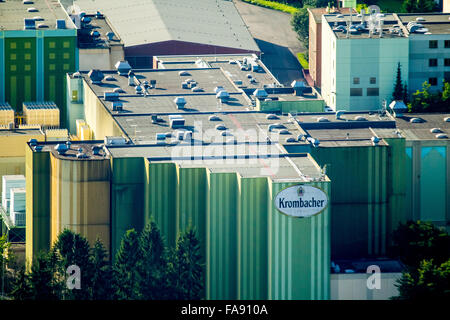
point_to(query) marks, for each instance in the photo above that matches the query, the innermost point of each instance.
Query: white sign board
(301, 201)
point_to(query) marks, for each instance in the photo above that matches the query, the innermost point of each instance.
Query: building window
(447, 43)
(27, 67)
(433, 44)
(355, 80)
(13, 45)
(432, 62)
(373, 80)
(432, 81)
(52, 67)
(66, 44)
(51, 56)
(372, 92)
(66, 66)
(66, 55)
(13, 67)
(52, 44)
(447, 62)
(27, 56)
(27, 45)
(13, 56)
(355, 92)
(447, 76)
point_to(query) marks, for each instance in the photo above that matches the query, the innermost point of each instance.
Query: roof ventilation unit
(61, 148)
(447, 119)
(110, 78)
(131, 78)
(38, 148)
(38, 18)
(176, 121)
(60, 24)
(359, 118)
(42, 26)
(218, 89)
(187, 135)
(110, 35)
(95, 34)
(109, 140)
(123, 67)
(260, 94)
(160, 136)
(272, 116)
(315, 142)
(86, 20)
(441, 136)
(27, 2)
(32, 142)
(29, 24)
(322, 119)
(183, 73)
(118, 90)
(223, 95)
(420, 19)
(117, 106)
(284, 131)
(290, 139)
(221, 127)
(82, 155)
(110, 96)
(435, 130)
(339, 114)
(138, 89)
(415, 120)
(96, 76)
(180, 102)
(96, 150)
(32, 10)
(375, 140)
(299, 87)
(214, 118)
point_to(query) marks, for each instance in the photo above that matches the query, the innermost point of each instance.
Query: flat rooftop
(436, 23)
(422, 130)
(20, 132)
(317, 13)
(228, 63)
(101, 25)
(13, 13)
(339, 23)
(85, 147)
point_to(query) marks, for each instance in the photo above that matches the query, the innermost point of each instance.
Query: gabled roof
(212, 22)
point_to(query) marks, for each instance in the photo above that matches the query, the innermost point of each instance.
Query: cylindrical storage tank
(80, 197)
(299, 250)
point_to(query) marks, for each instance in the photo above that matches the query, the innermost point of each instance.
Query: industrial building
(360, 54)
(37, 48)
(168, 27)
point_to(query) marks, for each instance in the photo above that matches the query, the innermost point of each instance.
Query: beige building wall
(446, 6)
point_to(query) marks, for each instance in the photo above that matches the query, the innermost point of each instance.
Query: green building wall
(127, 198)
(299, 251)
(310, 105)
(37, 235)
(359, 196)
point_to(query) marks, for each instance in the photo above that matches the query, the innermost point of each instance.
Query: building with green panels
(37, 48)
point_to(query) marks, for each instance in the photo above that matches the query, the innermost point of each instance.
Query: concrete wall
(353, 286)
(315, 50)
(446, 6)
(102, 59)
(420, 53)
(349, 58)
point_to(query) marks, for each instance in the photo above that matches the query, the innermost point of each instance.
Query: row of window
(372, 80)
(434, 44)
(51, 67)
(370, 92)
(434, 62)
(51, 45)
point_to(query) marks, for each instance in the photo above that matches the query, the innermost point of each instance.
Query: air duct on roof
(61, 148)
(123, 67)
(29, 24)
(180, 102)
(223, 95)
(176, 121)
(110, 96)
(60, 24)
(96, 76)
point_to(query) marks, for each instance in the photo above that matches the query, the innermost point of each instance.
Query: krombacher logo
(301, 201)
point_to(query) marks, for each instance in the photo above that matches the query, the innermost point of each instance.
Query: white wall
(94, 59)
(353, 286)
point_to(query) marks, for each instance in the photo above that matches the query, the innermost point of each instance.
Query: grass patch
(273, 5)
(302, 59)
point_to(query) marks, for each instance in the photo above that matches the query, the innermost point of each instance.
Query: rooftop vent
(82, 155)
(447, 119)
(184, 73)
(123, 67)
(271, 116)
(32, 142)
(223, 95)
(95, 34)
(115, 141)
(29, 24)
(38, 148)
(110, 78)
(110, 35)
(260, 94)
(160, 136)
(283, 131)
(61, 148)
(375, 140)
(138, 89)
(32, 9)
(359, 118)
(118, 90)
(315, 142)
(96, 76)
(218, 88)
(214, 118)
(226, 133)
(176, 121)
(180, 102)
(322, 119)
(290, 139)
(96, 150)
(441, 136)
(131, 78)
(415, 120)
(27, 2)
(86, 19)
(340, 16)
(42, 26)
(420, 19)
(117, 106)
(435, 130)
(197, 89)
(110, 96)
(60, 24)
(232, 62)
(221, 127)
(339, 114)
(38, 18)
(76, 74)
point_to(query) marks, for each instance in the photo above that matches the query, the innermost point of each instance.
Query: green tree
(417, 241)
(419, 6)
(300, 24)
(186, 270)
(398, 88)
(73, 249)
(423, 101)
(101, 283)
(429, 281)
(21, 286)
(446, 94)
(153, 265)
(4, 260)
(405, 94)
(46, 280)
(126, 273)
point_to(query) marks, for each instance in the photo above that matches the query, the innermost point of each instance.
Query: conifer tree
(21, 286)
(398, 89)
(102, 273)
(45, 279)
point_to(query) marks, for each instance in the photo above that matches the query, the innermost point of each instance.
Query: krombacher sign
(301, 201)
